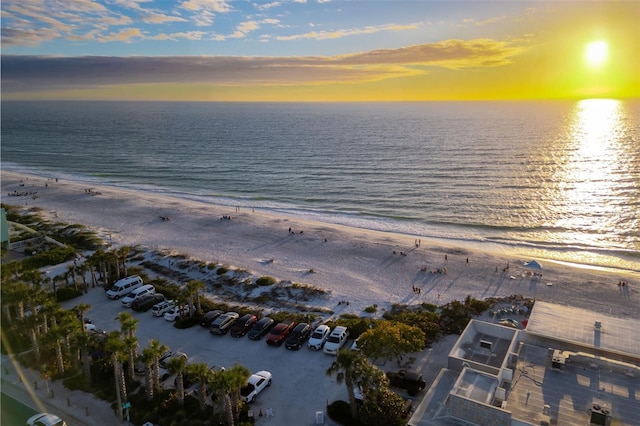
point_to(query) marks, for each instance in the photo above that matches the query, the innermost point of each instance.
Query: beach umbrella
(532, 264)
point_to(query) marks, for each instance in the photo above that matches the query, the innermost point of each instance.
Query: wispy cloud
(21, 73)
(323, 35)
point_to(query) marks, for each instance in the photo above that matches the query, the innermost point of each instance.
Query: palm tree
(203, 375)
(115, 346)
(193, 289)
(84, 340)
(158, 349)
(370, 378)
(177, 366)
(81, 309)
(148, 357)
(55, 335)
(348, 367)
(128, 325)
(238, 376)
(91, 263)
(227, 384)
(124, 253)
(71, 273)
(13, 296)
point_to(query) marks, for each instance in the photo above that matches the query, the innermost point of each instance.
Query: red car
(242, 325)
(279, 333)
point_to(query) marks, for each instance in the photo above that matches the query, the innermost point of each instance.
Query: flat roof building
(568, 367)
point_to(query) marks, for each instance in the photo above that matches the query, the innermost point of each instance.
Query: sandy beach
(360, 266)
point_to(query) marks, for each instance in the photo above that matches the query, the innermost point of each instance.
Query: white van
(124, 286)
(137, 293)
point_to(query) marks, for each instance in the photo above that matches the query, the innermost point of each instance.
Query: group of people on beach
(165, 218)
(15, 193)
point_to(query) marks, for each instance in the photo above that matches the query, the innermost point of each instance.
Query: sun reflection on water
(588, 194)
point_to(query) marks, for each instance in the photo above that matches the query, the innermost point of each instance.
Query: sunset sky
(319, 50)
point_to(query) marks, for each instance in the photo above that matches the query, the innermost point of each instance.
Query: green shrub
(340, 412)
(67, 293)
(222, 270)
(54, 256)
(265, 281)
(371, 309)
(186, 322)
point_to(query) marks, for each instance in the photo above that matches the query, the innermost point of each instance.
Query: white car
(176, 312)
(159, 309)
(256, 384)
(45, 419)
(318, 337)
(336, 340)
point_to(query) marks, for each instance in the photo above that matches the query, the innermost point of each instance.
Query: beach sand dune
(360, 266)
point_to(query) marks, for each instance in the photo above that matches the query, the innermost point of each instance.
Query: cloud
(219, 6)
(125, 35)
(371, 29)
(188, 35)
(266, 6)
(20, 73)
(448, 54)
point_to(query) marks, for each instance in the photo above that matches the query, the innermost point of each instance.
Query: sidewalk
(75, 407)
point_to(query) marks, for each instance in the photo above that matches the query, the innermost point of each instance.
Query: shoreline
(612, 260)
(354, 264)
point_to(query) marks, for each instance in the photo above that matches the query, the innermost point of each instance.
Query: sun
(596, 53)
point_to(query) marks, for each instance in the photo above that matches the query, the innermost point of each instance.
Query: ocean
(555, 180)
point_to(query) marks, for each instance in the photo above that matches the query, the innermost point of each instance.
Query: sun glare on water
(596, 53)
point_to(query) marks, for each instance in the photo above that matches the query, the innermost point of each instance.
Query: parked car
(164, 362)
(223, 323)
(209, 317)
(45, 419)
(410, 381)
(336, 340)
(243, 325)
(319, 337)
(177, 312)
(279, 333)
(509, 322)
(137, 293)
(188, 380)
(298, 336)
(146, 302)
(140, 368)
(355, 345)
(256, 384)
(159, 309)
(259, 329)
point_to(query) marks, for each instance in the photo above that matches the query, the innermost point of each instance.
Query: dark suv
(243, 325)
(223, 323)
(209, 317)
(146, 302)
(260, 328)
(412, 382)
(298, 336)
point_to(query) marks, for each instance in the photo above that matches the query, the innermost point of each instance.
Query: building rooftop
(578, 326)
(561, 370)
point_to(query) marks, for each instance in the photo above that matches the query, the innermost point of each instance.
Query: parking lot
(300, 386)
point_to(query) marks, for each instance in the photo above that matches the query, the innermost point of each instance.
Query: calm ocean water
(557, 180)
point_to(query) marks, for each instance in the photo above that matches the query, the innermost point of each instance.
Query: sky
(319, 50)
